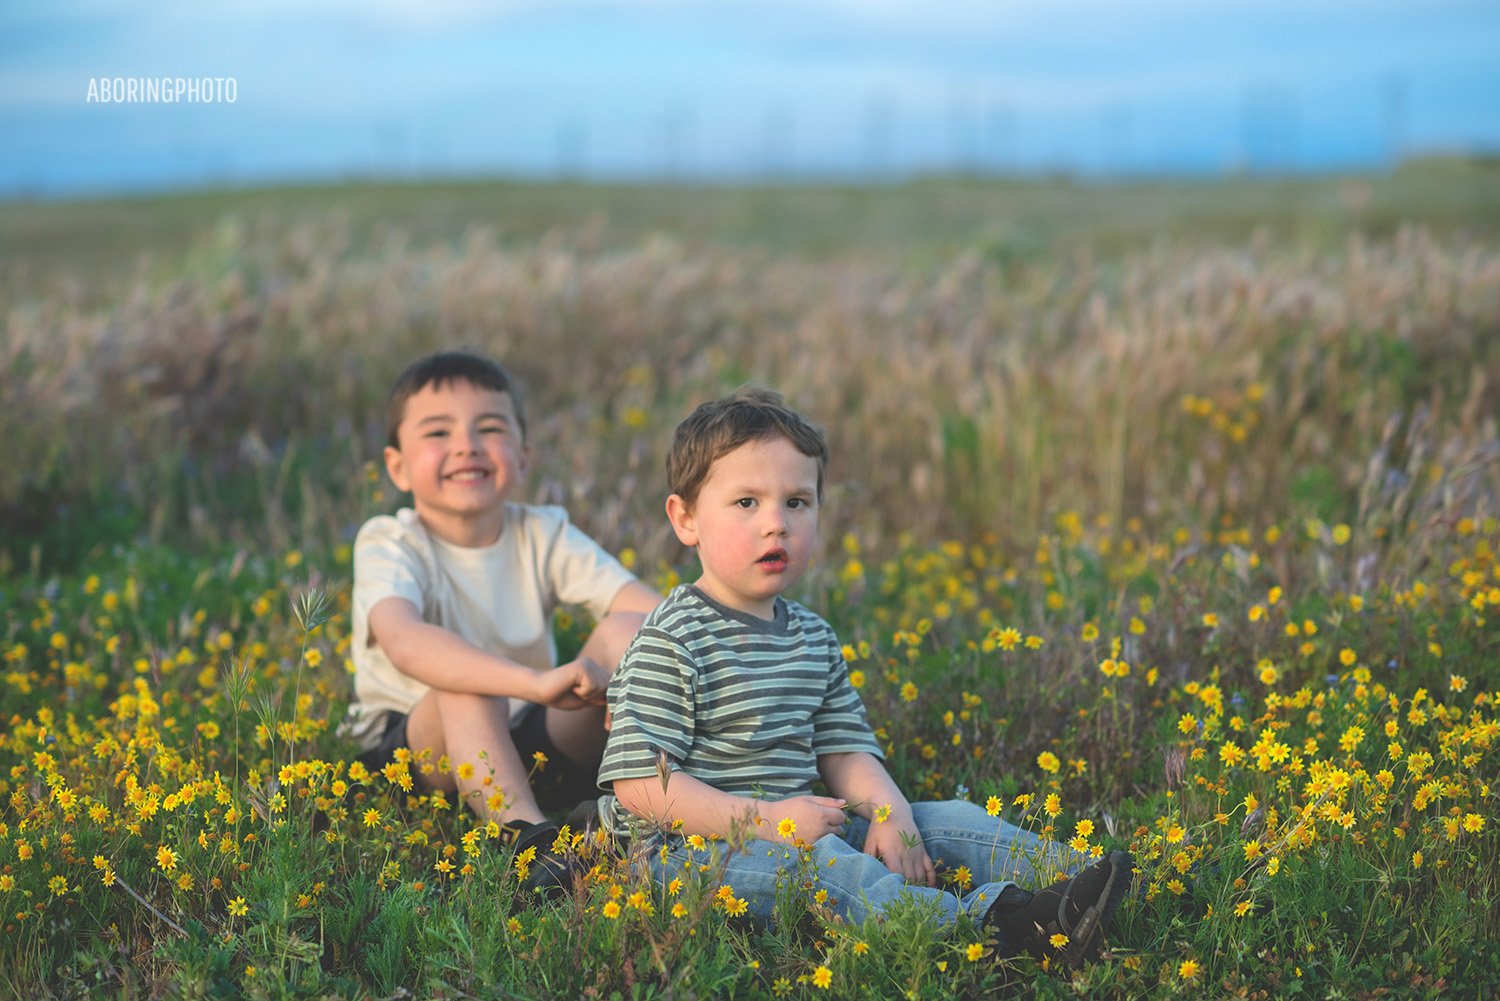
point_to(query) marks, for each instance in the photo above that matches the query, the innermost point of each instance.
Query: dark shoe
(1008, 917)
(1080, 908)
(583, 818)
(539, 868)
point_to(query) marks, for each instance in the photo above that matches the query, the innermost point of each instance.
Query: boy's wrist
(533, 686)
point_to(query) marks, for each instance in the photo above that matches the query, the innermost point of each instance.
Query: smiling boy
(453, 601)
(732, 702)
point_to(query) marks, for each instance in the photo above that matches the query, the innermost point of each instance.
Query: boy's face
(755, 522)
(461, 456)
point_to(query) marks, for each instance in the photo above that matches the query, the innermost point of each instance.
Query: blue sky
(715, 90)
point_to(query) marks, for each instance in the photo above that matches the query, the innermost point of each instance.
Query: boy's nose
(774, 522)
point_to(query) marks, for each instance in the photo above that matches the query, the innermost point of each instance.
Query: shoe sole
(1086, 936)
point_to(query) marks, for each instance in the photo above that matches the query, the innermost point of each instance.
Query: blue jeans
(955, 833)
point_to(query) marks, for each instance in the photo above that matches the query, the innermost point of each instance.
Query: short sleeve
(387, 565)
(652, 699)
(392, 558)
(841, 726)
(579, 570)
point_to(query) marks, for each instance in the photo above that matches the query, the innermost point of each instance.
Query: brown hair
(442, 367)
(721, 426)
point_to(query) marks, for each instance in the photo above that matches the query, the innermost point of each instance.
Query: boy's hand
(573, 685)
(592, 682)
(812, 817)
(897, 843)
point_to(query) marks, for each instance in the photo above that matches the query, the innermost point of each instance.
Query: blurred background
(692, 90)
(999, 249)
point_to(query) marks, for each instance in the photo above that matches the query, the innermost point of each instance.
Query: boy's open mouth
(774, 560)
(466, 475)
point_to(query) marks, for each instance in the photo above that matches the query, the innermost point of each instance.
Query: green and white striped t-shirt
(743, 704)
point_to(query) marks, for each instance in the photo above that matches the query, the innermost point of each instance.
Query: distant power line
(1000, 138)
(677, 139)
(963, 129)
(1115, 144)
(572, 148)
(778, 142)
(1269, 122)
(1393, 108)
(880, 137)
(966, 130)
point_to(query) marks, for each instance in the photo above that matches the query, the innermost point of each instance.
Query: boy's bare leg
(579, 733)
(473, 729)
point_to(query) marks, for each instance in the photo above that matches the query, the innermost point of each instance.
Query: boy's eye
(436, 433)
(797, 502)
(745, 502)
(492, 429)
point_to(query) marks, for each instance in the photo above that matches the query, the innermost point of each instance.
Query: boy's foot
(539, 869)
(1079, 908)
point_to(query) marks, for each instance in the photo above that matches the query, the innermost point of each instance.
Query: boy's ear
(395, 468)
(683, 522)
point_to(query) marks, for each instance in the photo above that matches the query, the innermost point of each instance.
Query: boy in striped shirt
(732, 702)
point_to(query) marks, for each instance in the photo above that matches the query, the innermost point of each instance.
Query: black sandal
(1083, 906)
(1080, 908)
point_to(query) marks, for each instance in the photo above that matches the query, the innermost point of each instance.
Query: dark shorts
(559, 784)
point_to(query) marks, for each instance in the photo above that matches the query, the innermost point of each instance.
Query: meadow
(1160, 517)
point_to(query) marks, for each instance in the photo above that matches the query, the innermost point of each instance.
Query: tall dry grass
(1176, 384)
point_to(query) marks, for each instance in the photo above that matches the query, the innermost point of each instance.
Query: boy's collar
(412, 520)
(776, 624)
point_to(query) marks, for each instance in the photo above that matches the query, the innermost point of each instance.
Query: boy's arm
(443, 660)
(634, 597)
(861, 779)
(703, 809)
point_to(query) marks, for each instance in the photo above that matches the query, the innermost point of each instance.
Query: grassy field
(920, 220)
(1160, 517)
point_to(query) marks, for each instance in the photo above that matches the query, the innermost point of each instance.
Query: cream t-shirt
(498, 597)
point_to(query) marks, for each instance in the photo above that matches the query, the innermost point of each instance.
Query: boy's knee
(467, 705)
